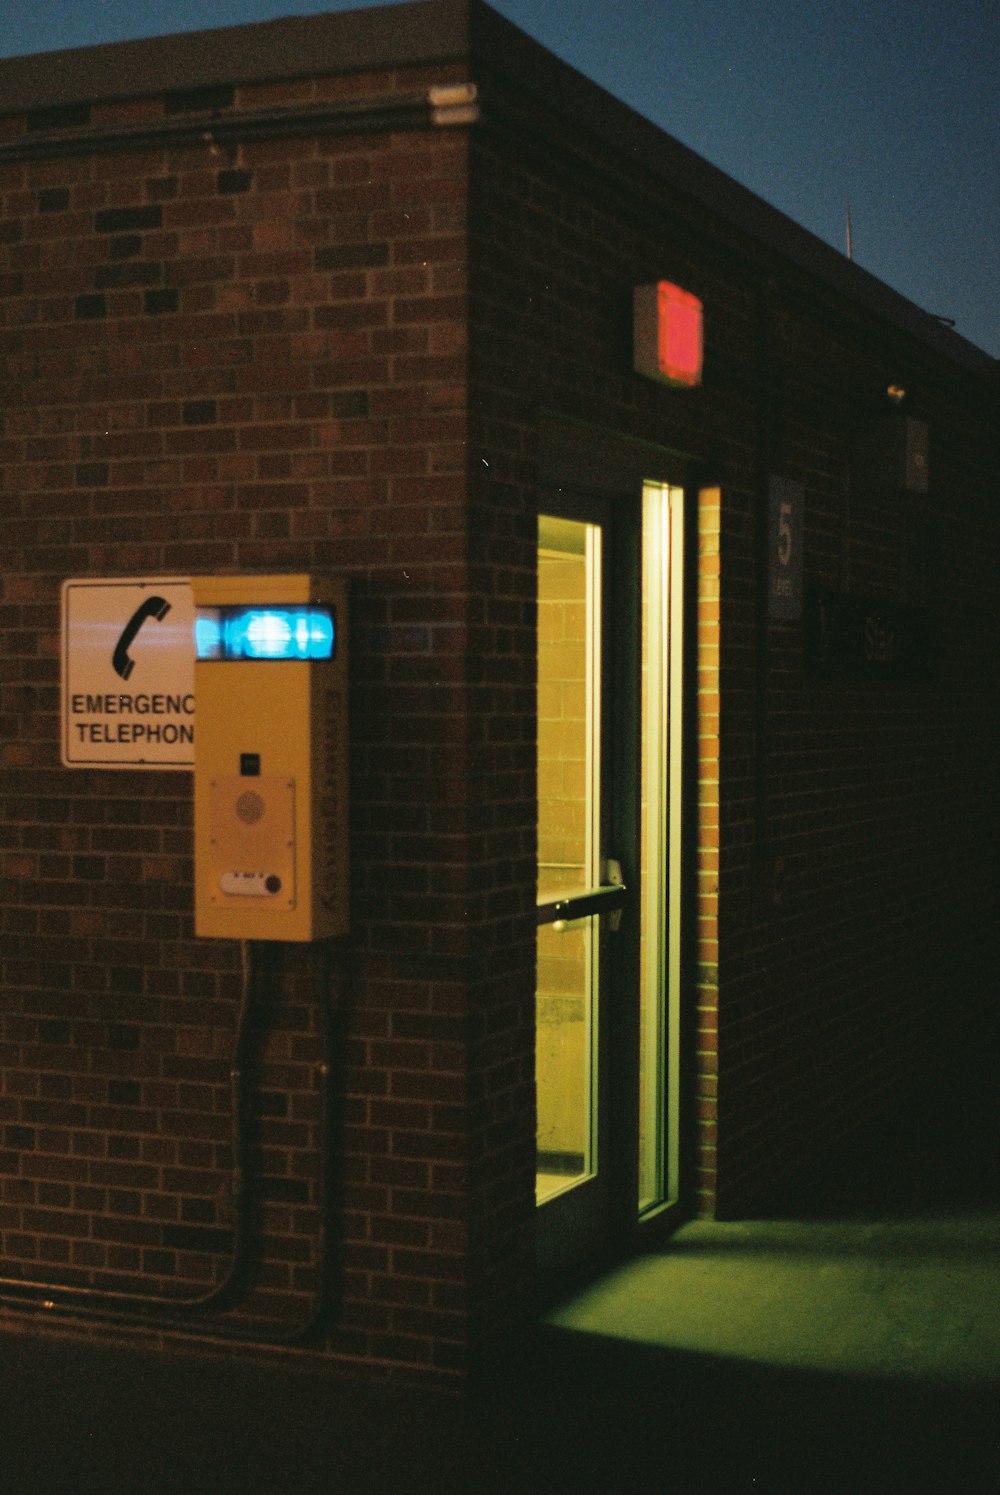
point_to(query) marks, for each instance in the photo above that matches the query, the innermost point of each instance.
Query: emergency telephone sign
(128, 673)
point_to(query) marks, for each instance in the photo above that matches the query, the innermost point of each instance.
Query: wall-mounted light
(667, 340)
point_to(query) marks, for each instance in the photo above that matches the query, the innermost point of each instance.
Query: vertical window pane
(568, 848)
(652, 861)
(564, 1055)
(660, 843)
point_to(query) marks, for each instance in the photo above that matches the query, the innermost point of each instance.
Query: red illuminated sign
(667, 334)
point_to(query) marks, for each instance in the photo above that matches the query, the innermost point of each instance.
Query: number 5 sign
(784, 550)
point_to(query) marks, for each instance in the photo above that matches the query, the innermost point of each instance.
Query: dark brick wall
(857, 932)
(247, 357)
(843, 935)
(263, 354)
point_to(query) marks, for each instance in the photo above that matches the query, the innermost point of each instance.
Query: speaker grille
(250, 808)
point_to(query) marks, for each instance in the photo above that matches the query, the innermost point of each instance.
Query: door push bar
(609, 898)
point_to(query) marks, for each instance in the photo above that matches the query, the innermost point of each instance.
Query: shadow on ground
(592, 1416)
(603, 1401)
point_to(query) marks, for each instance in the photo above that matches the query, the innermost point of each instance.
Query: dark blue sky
(890, 105)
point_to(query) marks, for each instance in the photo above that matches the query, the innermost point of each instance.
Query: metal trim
(439, 107)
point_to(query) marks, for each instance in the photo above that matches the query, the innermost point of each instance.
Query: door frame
(587, 469)
(578, 1228)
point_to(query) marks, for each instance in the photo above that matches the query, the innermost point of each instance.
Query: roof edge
(513, 53)
(395, 35)
(428, 31)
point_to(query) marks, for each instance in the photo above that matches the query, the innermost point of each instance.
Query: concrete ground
(849, 1342)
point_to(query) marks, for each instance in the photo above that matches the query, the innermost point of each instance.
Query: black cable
(121, 1307)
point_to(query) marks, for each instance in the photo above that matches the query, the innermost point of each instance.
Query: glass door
(608, 967)
(579, 885)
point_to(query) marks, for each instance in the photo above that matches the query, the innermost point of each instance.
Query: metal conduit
(187, 1314)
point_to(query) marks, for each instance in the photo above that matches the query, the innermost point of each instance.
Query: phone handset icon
(153, 607)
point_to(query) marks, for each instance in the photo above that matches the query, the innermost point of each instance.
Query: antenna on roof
(850, 235)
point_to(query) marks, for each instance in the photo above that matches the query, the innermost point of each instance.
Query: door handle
(608, 899)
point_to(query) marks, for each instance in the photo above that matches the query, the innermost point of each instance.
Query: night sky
(892, 106)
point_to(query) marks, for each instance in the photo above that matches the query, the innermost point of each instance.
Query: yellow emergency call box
(271, 757)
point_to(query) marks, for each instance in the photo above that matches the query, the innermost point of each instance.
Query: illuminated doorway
(608, 870)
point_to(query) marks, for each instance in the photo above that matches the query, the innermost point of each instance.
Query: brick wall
(221, 350)
(855, 923)
(244, 356)
(704, 1029)
(840, 933)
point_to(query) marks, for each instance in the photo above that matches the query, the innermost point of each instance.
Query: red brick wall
(263, 356)
(248, 357)
(703, 1031)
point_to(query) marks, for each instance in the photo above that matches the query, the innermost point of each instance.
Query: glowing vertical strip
(675, 773)
(654, 771)
(594, 565)
(662, 740)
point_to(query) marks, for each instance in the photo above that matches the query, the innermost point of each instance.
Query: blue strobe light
(265, 633)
